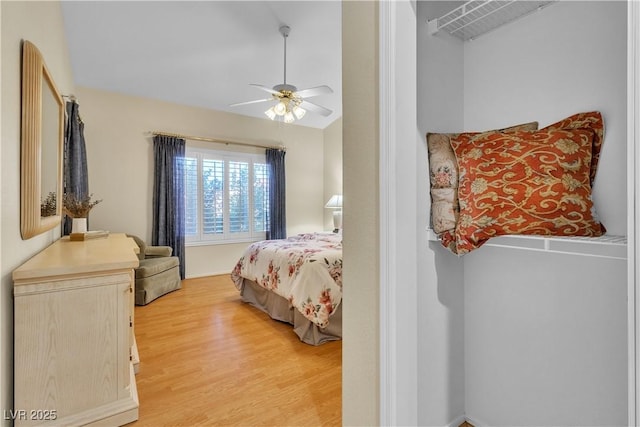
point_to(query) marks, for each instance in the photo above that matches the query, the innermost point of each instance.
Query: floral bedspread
(306, 269)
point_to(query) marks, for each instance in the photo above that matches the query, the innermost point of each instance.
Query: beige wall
(332, 167)
(120, 158)
(41, 23)
(360, 356)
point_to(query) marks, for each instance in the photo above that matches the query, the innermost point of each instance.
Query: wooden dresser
(74, 345)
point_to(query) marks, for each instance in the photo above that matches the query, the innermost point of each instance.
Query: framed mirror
(41, 146)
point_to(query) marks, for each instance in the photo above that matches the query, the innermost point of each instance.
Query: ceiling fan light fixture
(287, 97)
(299, 112)
(280, 108)
(288, 117)
(271, 113)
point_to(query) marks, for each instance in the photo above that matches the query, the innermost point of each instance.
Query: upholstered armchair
(157, 274)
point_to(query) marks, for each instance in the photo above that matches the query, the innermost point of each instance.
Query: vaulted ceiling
(205, 53)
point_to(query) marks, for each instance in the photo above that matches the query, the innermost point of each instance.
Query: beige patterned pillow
(443, 175)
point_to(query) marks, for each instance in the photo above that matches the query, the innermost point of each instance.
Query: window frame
(200, 238)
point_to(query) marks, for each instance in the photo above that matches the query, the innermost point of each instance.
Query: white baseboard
(462, 418)
(457, 421)
(475, 422)
(196, 276)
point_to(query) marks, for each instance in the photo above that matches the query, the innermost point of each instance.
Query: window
(227, 196)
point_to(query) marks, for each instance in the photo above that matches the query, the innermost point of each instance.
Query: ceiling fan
(291, 103)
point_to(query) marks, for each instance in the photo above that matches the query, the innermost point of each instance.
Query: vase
(79, 225)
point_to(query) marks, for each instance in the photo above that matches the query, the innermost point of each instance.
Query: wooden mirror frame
(35, 79)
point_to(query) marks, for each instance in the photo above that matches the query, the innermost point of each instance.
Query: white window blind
(192, 203)
(261, 197)
(227, 196)
(212, 196)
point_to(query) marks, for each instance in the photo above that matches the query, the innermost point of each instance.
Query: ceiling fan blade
(266, 89)
(314, 91)
(315, 108)
(251, 102)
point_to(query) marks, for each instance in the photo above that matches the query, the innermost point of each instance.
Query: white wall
(397, 206)
(439, 273)
(567, 58)
(40, 23)
(545, 335)
(120, 158)
(545, 339)
(332, 135)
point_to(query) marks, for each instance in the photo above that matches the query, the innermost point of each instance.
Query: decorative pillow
(443, 173)
(589, 120)
(524, 183)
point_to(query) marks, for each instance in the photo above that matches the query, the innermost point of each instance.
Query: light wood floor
(206, 358)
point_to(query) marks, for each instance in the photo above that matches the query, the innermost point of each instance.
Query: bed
(297, 280)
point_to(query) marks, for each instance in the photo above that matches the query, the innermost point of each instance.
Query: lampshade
(271, 113)
(280, 108)
(335, 202)
(288, 117)
(299, 112)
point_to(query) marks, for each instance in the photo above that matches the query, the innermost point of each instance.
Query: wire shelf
(607, 246)
(478, 17)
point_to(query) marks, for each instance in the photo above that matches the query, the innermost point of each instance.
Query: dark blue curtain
(277, 194)
(168, 195)
(76, 178)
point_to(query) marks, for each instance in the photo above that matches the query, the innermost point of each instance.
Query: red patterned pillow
(443, 174)
(524, 183)
(589, 120)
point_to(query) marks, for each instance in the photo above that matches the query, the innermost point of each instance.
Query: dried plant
(78, 207)
(49, 205)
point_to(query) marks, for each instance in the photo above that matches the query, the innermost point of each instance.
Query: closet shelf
(478, 17)
(606, 246)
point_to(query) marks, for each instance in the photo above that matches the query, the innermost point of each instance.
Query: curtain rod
(220, 141)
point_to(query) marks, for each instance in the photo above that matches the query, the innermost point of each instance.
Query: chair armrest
(158, 251)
